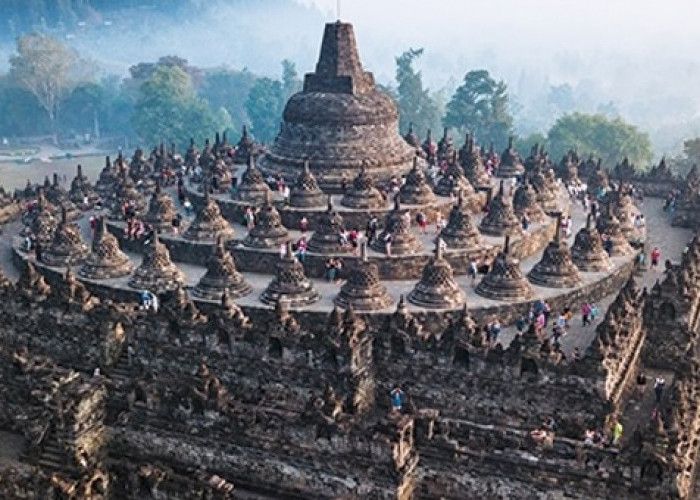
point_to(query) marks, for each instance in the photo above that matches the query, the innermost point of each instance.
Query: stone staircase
(54, 459)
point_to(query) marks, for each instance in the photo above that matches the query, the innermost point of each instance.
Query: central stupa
(339, 122)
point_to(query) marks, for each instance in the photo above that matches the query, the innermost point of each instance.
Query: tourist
(27, 243)
(494, 332)
(520, 324)
(387, 244)
(248, 218)
(285, 193)
(283, 250)
(145, 300)
(303, 225)
(331, 270)
(422, 221)
(177, 221)
(617, 432)
(371, 230)
(343, 237)
(576, 354)
(439, 223)
(608, 245)
(301, 249)
(586, 314)
(641, 383)
(472, 272)
(154, 302)
(594, 312)
(189, 209)
(343, 183)
(397, 396)
(525, 222)
(354, 238)
(659, 385)
(547, 312)
(655, 256)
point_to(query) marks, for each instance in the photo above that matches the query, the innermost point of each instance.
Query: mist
(636, 59)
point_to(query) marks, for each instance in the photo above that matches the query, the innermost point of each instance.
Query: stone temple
(339, 122)
(280, 356)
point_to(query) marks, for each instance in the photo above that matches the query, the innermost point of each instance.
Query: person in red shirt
(655, 256)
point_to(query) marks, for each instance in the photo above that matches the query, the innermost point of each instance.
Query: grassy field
(14, 175)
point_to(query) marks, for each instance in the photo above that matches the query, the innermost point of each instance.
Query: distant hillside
(24, 15)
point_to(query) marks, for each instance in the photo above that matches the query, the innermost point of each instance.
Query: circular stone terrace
(594, 285)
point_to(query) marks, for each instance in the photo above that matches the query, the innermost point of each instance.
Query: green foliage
(609, 139)
(47, 69)
(168, 110)
(228, 89)
(525, 144)
(480, 105)
(682, 163)
(416, 104)
(20, 113)
(291, 84)
(264, 105)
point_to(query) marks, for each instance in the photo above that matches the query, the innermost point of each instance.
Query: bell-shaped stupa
(340, 121)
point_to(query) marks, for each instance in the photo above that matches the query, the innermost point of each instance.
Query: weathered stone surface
(556, 268)
(106, 260)
(525, 202)
(416, 190)
(501, 219)
(363, 291)
(505, 280)
(252, 188)
(245, 149)
(290, 284)
(511, 162)
(305, 192)
(268, 231)
(609, 227)
(412, 139)
(67, 246)
(362, 194)
(340, 122)
(41, 222)
(470, 159)
(587, 251)
(80, 188)
(208, 223)
(326, 238)
(124, 192)
(453, 180)
(221, 277)
(460, 231)
(157, 273)
(598, 180)
(107, 178)
(437, 288)
(397, 227)
(161, 211)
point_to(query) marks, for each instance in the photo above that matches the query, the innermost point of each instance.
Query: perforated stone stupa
(460, 231)
(362, 193)
(511, 162)
(472, 164)
(437, 288)
(587, 251)
(363, 291)
(67, 245)
(290, 283)
(501, 219)
(305, 192)
(505, 280)
(252, 188)
(339, 121)
(416, 190)
(556, 268)
(398, 228)
(326, 237)
(208, 223)
(106, 260)
(157, 273)
(268, 231)
(609, 226)
(161, 211)
(221, 276)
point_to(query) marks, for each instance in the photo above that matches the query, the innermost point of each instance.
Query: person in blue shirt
(397, 396)
(145, 300)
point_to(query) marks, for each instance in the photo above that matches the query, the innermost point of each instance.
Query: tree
(291, 84)
(229, 89)
(264, 105)
(416, 104)
(47, 69)
(609, 139)
(480, 105)
(168, 109)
